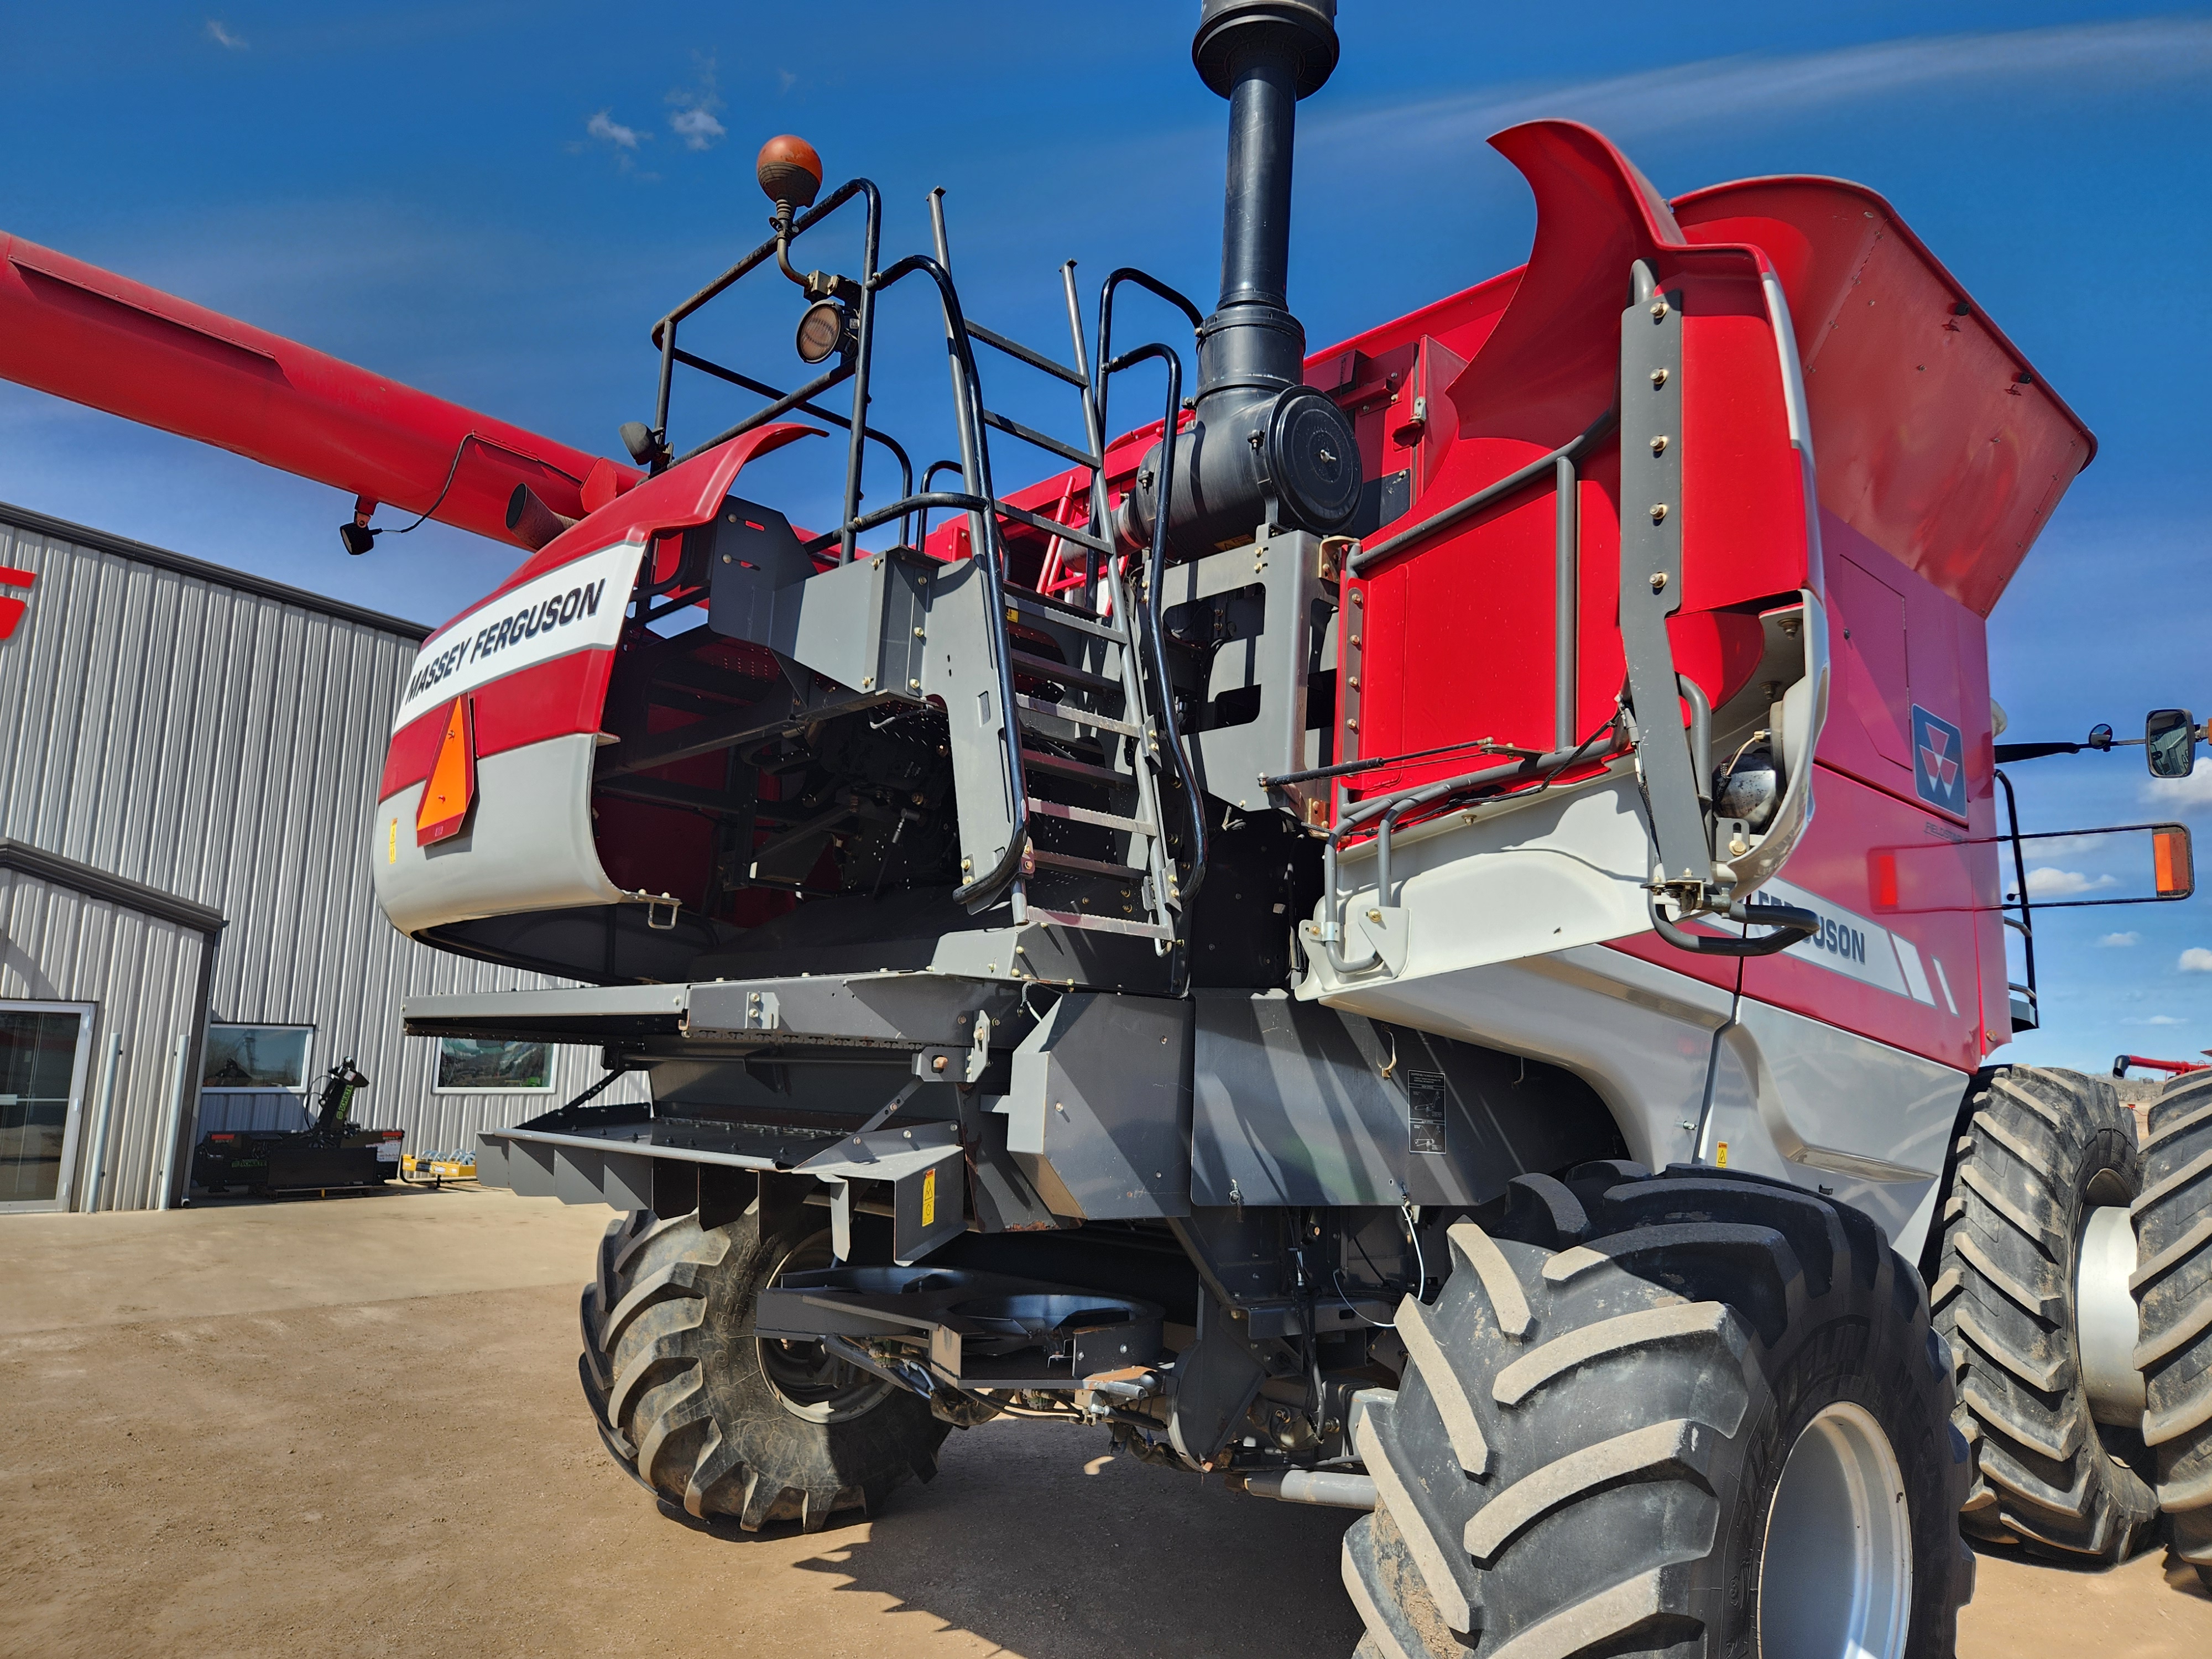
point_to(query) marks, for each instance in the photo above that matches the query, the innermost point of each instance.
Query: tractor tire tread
(2042, 1474)
(2173, 1294)
(1613, 1386)
(665, 1343)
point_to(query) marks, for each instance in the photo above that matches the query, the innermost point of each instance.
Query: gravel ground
(353, 1426)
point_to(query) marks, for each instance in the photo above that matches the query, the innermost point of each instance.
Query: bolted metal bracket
(1651, 515)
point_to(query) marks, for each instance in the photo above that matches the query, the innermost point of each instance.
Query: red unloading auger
(2171, 1067)
(86, 334)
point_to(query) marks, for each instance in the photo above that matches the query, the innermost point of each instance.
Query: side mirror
(2170, 743)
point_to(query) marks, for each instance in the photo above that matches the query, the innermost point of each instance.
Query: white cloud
(2197, 960)
(603, 125)
(1721, 90)
(784, 80)
(2153, 1019)
(2191, 794)
(697, 128)
(2047, 883)
(223, 38)
(2120, 941)
(694, 120)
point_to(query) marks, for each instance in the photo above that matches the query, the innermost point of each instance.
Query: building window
(42, 1050)
(472, 1066)
(257, 1057)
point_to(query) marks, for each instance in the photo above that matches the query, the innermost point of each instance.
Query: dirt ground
(353, 1427)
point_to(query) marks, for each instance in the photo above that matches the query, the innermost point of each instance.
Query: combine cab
(1420, 932)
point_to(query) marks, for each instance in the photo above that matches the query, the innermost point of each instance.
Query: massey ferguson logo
(1939, 762)
(527, 623)
(579, 607)
(11, 608)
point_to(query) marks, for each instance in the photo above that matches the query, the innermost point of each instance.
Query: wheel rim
(807, 1380)
(2107, 1325)
(1835, 1581)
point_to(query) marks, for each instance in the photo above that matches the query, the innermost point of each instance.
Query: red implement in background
(95, 337)
(2121, 1065)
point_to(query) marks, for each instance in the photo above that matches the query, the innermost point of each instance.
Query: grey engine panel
(1115, 1106)
(1298, 1104)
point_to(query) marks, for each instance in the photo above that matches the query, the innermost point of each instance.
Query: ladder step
(1042, 439)
(1102, 924)
(1067, 533)
(1059, 673)
(1045, 860)
(1054, 809)
(1034, 359)
(1041, 760)
(1078, 717)
(1067, 616)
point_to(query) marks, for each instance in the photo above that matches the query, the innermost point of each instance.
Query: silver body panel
(1499, 927)
(528, 845)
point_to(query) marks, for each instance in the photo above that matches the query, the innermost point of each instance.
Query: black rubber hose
(1793, 922)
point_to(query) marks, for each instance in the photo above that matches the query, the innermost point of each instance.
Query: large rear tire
(715, 1420)
(2042, 1152)
(1691, 1413)
(2174, 1288)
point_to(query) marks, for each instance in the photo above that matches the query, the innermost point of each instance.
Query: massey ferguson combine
(1420, 932)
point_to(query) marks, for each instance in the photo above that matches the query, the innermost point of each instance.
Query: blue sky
(492, 201)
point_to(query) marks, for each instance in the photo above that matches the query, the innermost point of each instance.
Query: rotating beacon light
(790, 175)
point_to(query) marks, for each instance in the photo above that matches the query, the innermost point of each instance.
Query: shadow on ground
(1033, 1539)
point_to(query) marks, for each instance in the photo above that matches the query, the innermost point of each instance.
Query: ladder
(1078, 754)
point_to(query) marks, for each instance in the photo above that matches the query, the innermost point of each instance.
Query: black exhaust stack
(1266, 449)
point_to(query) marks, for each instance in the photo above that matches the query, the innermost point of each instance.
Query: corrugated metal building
(187, 772)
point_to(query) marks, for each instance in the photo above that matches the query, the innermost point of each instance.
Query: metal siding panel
(142, 973)
(224, 745)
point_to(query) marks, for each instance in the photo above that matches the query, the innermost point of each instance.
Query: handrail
(1101, 516)
(1155, 582)
(854, 365)
(1511, 484)
(989, 559)
(2019, 874)
(1388, 808)
(761, 388)
(1105, 365)
(928, 473)
(922, 501)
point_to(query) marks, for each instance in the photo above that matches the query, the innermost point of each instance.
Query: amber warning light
(2173, 866)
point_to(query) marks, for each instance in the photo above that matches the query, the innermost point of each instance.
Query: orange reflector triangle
(452, 788)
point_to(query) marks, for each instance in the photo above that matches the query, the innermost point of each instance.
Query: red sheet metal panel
(1936, 439)
(567, 693)
(1898, 958)
(1458, 630)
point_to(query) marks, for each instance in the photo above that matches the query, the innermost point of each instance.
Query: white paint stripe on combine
(575, 607)
(1943, 980)
(1916, 976)
(1848, 944)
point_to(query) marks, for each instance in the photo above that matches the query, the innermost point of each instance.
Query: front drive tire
(1691, 1413)
(713, 1419)
(2042, 1150)
(2174, 1288)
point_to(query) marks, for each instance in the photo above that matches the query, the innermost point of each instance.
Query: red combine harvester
(1305, 938)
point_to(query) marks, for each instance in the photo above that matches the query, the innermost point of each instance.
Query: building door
(44, 1047)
